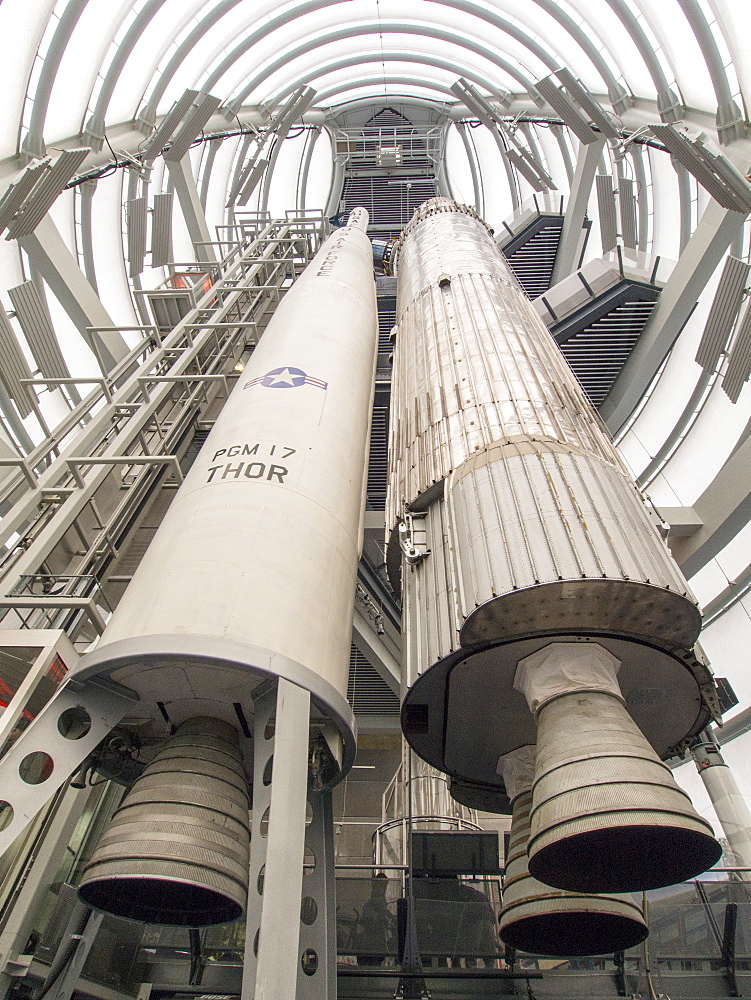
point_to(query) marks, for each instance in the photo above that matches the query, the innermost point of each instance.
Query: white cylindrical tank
(252, 571)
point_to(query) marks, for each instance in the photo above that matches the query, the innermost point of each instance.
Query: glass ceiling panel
(682, 52)
(667, 220)
(624, 51)
(216, 43)
(373, 87)
(76, 76)
(219, 186)
(320, 174)
(672, 392)
(725, 642)
(146, 56)
(543, 26)
(22, 24)
(704, 450)
(734, 22)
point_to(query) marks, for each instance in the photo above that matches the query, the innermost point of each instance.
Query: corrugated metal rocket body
(518, 525)
(259, 550)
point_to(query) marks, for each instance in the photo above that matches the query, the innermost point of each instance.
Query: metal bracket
(413, 538)
(53, 747)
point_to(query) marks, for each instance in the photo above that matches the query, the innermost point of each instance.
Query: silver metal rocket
(540, 604)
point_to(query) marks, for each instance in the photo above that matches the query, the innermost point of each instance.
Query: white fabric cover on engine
(518, 769)
(566, 667)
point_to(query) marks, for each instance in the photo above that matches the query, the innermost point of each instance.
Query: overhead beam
(375, 651)
(569, 248)
(49, 254)
(713, 235)
(181, 174)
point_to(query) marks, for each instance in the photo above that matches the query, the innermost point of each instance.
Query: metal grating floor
(599, 351)
(367, 693)
(532, 263)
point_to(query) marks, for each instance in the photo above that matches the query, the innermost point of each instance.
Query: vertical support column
(469, 149)
(71, 956)
(181, 175)
(335, 193)
(727, 799)
(316, 977)
(272, 943)
(569, 247)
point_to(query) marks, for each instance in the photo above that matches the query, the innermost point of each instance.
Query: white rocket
(250, 576)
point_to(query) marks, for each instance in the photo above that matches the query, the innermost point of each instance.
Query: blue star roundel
(286, 378)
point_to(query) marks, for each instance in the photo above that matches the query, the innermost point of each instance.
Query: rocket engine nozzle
(607, 814)
(545, 921)
(176, 851)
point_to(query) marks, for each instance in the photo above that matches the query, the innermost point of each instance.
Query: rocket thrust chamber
(252, 572)
(520, 527)
(544, 921)
(177, 849)
(600, 793)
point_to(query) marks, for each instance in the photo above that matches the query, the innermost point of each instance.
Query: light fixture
(722, 314)
(159, 138)
(521, 158)
(566, 110)
(49, 184)
(204, 107)
(581, 96)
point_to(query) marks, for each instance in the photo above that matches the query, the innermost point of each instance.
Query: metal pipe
(727, 799)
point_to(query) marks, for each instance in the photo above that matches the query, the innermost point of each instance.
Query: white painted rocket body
(254, 565)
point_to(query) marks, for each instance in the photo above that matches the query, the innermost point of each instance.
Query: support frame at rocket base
(517, 537)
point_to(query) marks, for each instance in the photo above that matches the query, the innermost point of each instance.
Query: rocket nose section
(359, 217)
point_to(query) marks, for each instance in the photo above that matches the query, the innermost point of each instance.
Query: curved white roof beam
(94, 128)
(619, 97)
(429, 29)
(33, 143)
(394, 100)
(358, 83)
(615, 89)
(377, 28)
(206, 23)
(730, 124)
(669, 104)
(376, 55)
